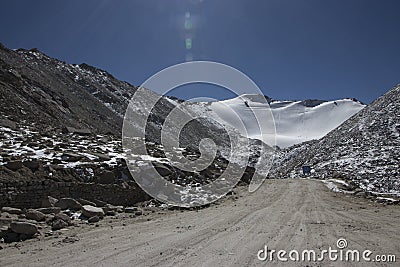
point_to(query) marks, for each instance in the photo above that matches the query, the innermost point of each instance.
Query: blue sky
(292, 49)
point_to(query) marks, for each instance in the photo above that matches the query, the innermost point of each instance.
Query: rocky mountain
(49, 94)
(364, 150)
(62, 123)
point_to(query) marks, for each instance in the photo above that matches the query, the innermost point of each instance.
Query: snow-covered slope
(295, 121)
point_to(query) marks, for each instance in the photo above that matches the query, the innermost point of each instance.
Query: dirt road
(282, 214)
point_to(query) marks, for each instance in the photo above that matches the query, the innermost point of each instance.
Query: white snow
(387, 199)
(294, 122)
(332, 185)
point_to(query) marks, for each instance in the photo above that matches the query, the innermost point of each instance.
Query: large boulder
(25, 228)
(35, 215)
(90, 211)
(11, 210)
(68, 203)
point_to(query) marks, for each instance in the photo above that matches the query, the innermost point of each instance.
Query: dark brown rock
(94, 219)
(24, 228)
(35, 215)
(68, 203)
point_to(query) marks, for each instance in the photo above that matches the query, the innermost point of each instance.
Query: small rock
(70, 239)
(11, 210)
(83, 131)
(48, 233)
(90, 211)
(111, 213)
(56, 161)
(71, 157)
(63, 217)
(24, 228)
(58, 224)
(68, 203)
(35, 215)
(94, 219)
(101, 157)
(138, 213)
(110, 207)
(131, 209)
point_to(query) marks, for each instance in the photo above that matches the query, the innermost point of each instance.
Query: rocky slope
(48, 94)
(62, 122)
(364, 150)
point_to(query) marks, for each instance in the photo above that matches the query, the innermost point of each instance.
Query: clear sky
(292, 49)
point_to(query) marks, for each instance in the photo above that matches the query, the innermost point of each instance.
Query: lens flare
(188, 42)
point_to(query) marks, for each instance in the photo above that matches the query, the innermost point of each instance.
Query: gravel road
(282, 214)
